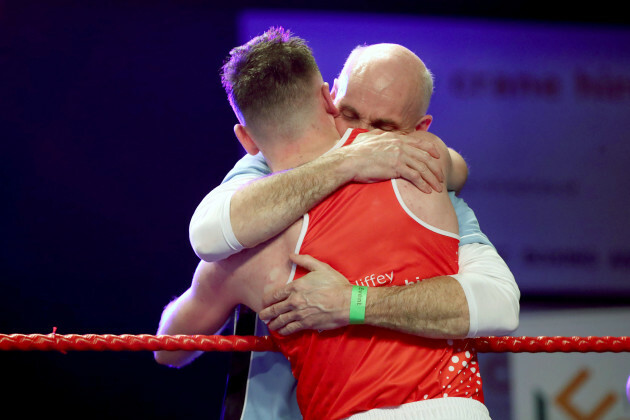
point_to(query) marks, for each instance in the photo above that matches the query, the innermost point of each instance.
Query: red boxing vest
(365, 232)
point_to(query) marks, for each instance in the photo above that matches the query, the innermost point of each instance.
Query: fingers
(429, 147)
(303, 319)
(415, 177)
(426, 141)
(426, 176)
(420, 168)
(285, 324)
(280, 302)
(308, 262)
(421, 159)
(422, 140)
(391, 155)
(275, 308)
(419, 163)
(285, 318)
(312, 301)
(277, 295)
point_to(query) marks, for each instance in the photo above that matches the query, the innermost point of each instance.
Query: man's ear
(424, 123)
(245, 139)
(328, 100)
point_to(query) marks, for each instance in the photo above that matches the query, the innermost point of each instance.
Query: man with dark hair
(258, 89)
(245, 277)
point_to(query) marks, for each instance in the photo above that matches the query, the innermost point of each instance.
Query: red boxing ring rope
(145, 342)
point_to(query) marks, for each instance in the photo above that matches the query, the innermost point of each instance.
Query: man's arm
(196, 311)
(482, 299)
(459, 174)
(492, 295)
(245, 213)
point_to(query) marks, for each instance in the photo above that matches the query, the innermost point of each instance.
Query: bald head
(387, 85)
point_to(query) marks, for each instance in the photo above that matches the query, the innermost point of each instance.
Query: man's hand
(319, 300)
(378, 155)
(262, 209)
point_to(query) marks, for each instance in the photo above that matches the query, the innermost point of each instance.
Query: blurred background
(114, 125)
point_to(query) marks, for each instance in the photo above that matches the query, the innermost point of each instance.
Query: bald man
(379, 90)
(225, 220)
(235, 282)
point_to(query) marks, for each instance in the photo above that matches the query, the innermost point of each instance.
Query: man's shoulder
(249, 165)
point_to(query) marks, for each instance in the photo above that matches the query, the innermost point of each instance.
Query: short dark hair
(269, 76)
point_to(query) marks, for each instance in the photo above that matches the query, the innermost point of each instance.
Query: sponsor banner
(541, 113)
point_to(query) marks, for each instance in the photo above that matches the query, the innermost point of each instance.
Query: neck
(291, 153)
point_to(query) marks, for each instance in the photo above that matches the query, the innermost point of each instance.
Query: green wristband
(357, 304)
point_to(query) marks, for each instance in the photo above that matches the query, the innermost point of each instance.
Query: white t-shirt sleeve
(491, 291)
(210, 230)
